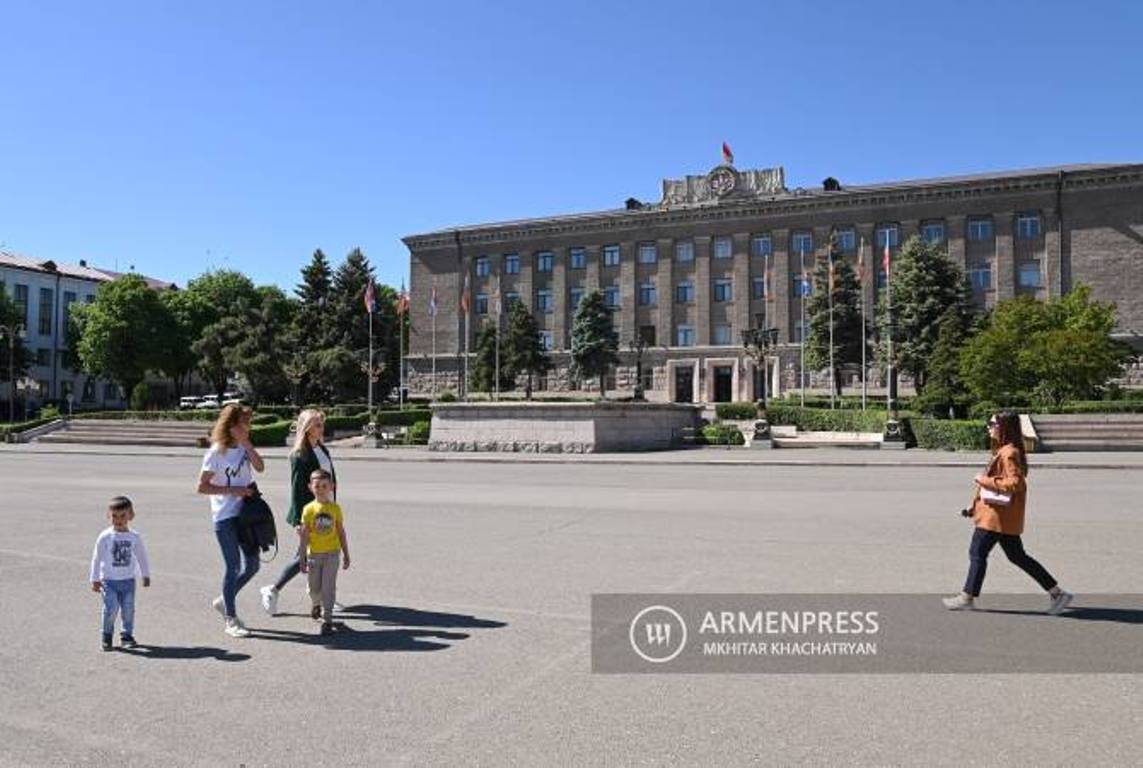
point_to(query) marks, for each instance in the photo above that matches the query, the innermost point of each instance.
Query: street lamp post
(757, 342)
(637, 345)
(12, 331)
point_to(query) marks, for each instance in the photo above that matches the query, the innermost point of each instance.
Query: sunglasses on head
(993, 423)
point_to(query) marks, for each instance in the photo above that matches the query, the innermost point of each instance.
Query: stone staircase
(1089, 432)
(123, 432)
(790, 437)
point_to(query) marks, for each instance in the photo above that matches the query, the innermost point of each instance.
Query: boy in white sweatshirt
(118, 557)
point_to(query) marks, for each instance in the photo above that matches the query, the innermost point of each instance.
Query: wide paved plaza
(468, 630)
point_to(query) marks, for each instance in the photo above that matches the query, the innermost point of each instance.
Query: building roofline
(781, 202)
(75, 271)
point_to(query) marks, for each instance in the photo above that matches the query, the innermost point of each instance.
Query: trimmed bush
(270, 434)
(21, 426)
(737, 411)
(946, 435)
(406, 418)
(818, 420)
(261, 419)
(722, 434)
(418, 434)
(281, 411)
(203, 415)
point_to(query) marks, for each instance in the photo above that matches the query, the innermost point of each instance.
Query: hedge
(203, 415)
(418, 433)
(819, 420)
(270, 434)
(845, 402)
(406, 418)
(737, 411)
(721, 434)
(947, 435)
(22, 426)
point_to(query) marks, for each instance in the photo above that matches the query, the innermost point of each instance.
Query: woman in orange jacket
(998, 511)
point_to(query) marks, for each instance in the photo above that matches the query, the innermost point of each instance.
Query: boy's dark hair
(320, 474)
(119, 503)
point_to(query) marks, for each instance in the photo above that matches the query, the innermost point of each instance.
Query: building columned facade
(688, 274)
(43, 292)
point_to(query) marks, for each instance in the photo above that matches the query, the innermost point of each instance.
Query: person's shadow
(410, 629)
(1114, 615)
(183, 652)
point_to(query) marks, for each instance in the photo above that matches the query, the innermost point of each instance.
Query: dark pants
(292, 569)
(241, 562)
(982, 543)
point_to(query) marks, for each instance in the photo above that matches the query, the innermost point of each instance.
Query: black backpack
(256, 524)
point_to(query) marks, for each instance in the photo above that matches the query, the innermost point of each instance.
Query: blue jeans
(241, 562)
(118, 595)
(982, 543)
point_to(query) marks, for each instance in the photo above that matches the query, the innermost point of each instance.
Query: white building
(43, 291)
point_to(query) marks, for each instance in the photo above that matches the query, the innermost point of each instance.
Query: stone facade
(684, 269)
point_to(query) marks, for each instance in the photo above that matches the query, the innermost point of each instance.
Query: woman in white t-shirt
(227, 479)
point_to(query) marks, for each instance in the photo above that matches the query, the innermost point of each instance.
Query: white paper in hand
(995, 499)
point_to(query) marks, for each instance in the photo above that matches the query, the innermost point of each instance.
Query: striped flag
(402, 300)
(433, 300)
(831, 274)
(465, 296)
(370, 298)
(885, 261)
(727, 155)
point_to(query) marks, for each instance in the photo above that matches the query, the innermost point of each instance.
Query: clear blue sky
(178, 136)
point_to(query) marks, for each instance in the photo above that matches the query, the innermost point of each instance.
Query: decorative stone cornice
(794, 202)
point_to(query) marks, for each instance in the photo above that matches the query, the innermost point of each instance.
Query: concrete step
(867, 440)
(1092, 445)
(129, 432)
(158, 440)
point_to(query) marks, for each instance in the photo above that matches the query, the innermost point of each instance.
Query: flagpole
(370, 362)
(861, 256)
(765, 328)
(802, 338)
(402, 302)
(889, 317)
(466, 317)
(496, 371)
(832, 372)
(433, 389)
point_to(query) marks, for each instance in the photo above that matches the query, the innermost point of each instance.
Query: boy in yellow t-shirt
(322, 541)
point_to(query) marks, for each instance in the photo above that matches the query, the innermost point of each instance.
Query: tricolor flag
(766, 280)
(727, 155)
(886, 259)
(433, 300)
(831, 275)
(807, 287)
(402, 300)
(465, 298)
(370, 298)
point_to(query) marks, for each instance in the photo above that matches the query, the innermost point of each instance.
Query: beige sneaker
(235, 628)
(959, 603)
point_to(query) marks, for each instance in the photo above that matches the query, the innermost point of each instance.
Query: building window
(722, 248)
(511, 298)
(647, 334)
(47, 308)
(89, 298)
(980, 276)
(887, 235)
(21, 299)
(846, 240)
(512, 264)
(685, 293)
(110, 392)
(43, 357)
(648, 254)
(577, 258)
(647, 378)
(544, 261)
(1028, 226)
(544, 301)
(69, 298)
(761, 245)
(685, 251)
(482, 303)
(546, 340)
(722, 335)
(759, 284)
(576, 296)
(1028, 275)
(611, 296)
(881, 281)
(798, 331)
(685, 336)
(803, 242)
(933, 232)
(979, 229)
(611, 255)
(805, 284)
(647, 294)
(723, 290)
(482, 267)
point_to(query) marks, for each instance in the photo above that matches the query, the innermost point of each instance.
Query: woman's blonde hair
(230, 415)
(306, 420)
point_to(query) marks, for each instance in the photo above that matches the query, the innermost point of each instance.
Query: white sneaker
(959, 603)
(235, 628)
(219, 605)
(338, 607)
(1060, 602)
(269, 600)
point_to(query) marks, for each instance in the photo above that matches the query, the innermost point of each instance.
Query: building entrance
(684, 384)
(723, 384)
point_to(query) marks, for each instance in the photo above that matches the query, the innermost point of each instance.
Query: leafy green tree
(847, 330)
(945, 393)
(258, 355)
(214, 349)
(484, 366)
(224, 291)
(926, 284)
(122, 331)
(524, 348)
(1029, 351)
(187, 314)
(594, 343)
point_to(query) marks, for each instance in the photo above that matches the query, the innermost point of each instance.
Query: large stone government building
(686, 273)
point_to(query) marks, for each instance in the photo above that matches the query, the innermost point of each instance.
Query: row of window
(45, 322)
(978, 229)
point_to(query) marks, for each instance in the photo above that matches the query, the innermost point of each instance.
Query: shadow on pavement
(183, 652)
(1116, 615)
(420, 630)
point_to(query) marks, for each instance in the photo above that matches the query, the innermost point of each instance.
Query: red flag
(402, 300)
(370, 298)
(465, 300)
(885, 260)
(727, 155)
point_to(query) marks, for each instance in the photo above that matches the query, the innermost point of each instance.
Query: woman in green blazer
(309, 453)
